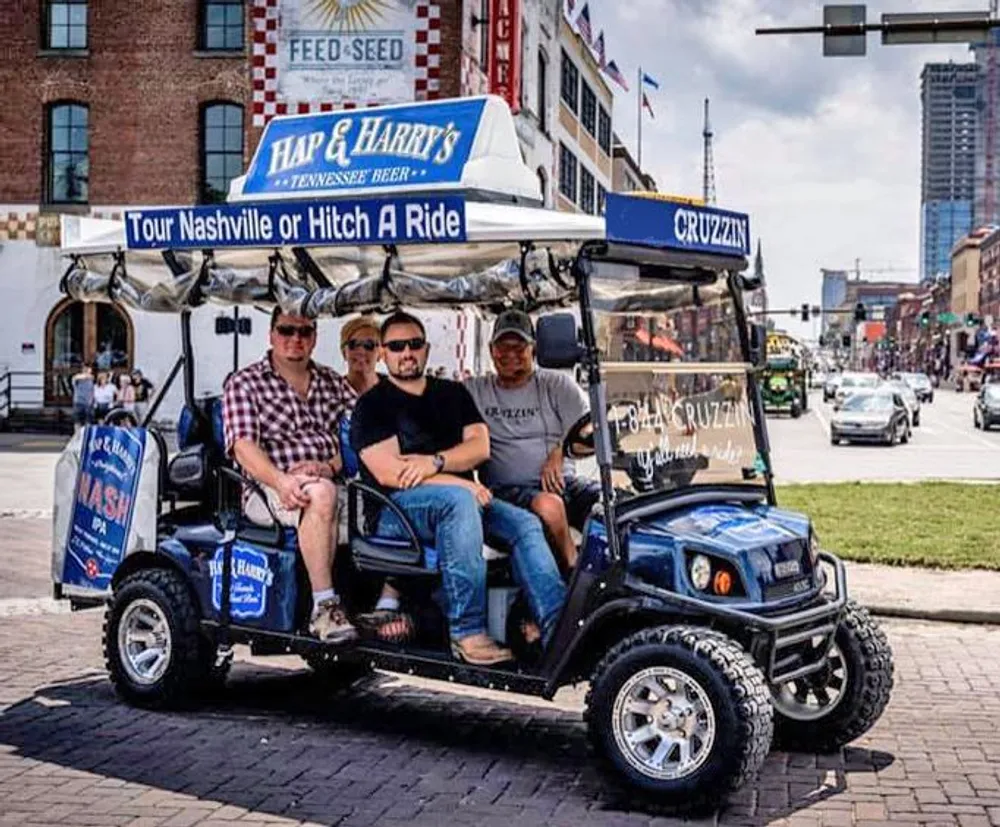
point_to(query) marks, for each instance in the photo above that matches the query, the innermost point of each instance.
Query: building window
(66, 24)
(67, 166)
(588, 108)
(567, 172)
(221, 149)
(604, 130)
(484, 35)
(543, 99)
(602, 199)
(569, 82)
(221, 25)
(587, 191)
(543, 183)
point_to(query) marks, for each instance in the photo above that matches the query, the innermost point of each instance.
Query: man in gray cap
(529, 411)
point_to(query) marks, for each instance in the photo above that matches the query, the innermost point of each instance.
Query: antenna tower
(708, 163)
(990, 126)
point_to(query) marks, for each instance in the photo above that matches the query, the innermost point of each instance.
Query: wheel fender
(170, 555)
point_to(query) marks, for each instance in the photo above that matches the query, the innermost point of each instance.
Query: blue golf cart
(707, 620)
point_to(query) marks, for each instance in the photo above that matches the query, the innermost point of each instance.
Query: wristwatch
(438, 463)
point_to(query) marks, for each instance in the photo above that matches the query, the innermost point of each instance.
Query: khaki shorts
(257, 512)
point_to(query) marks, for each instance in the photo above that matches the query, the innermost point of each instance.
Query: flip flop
(387, 625)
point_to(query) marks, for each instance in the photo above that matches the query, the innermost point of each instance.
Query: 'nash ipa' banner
(362, 51)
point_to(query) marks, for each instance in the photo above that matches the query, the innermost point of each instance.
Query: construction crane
(708, 162)
(990, 124)
(857, 270)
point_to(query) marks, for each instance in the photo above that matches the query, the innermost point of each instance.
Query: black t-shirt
(425, 424)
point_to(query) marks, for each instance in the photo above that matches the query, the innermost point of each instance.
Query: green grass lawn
(936, 524)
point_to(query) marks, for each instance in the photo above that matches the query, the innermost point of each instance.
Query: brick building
(989, 278)
(130, 104)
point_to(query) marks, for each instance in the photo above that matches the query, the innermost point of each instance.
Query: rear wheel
(796, 409)
(824, 711)
(154, 650)
(682, 714)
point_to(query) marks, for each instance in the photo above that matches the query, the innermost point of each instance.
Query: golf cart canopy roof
(420, 205)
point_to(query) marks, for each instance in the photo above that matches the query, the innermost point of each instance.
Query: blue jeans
(449, 518)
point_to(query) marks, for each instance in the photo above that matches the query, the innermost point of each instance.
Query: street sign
(935, 27)
(839, 45)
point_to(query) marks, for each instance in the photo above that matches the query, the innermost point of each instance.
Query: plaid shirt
(260, 406)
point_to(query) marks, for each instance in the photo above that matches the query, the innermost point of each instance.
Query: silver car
(830, 386)
(852, 382)
(871, 416)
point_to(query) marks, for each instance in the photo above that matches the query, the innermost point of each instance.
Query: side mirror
(557, 342)
(758, 345)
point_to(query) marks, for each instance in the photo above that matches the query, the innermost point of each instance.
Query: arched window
(221, 149)
(67, 158)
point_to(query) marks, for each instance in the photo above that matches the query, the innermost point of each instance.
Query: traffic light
(925, 318)
(845, 340)
(860, 314)
(971, 320)
(805, 312)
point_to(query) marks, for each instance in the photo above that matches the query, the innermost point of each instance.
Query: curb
(967, 616)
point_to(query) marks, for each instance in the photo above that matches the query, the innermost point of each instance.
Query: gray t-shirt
(525, 424)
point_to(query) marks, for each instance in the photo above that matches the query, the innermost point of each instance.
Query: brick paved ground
(280, 750)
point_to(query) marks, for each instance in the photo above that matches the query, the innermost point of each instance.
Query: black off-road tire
(739, 697)
(335, 675)
(190, 670)
(796, 409)
(868, 660)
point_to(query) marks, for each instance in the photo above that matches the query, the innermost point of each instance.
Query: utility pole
(708, 162)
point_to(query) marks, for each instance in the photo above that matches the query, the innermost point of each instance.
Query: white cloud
(823, 153)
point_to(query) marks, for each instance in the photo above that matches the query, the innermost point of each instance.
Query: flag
(583, 23)
(613, 72)
(570, 4)
(650, 81)
(646, 106)
(599, 48)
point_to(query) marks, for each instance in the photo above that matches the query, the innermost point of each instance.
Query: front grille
(787, 588)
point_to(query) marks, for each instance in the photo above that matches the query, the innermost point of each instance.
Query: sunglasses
(306, 331)
(399, 345)
(367, 344)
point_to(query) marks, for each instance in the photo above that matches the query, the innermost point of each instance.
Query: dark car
(871, 416)
(986, 410)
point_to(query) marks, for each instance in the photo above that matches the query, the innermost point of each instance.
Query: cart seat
(201, 443)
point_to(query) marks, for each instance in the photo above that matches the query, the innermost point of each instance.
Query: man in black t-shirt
(419, 439)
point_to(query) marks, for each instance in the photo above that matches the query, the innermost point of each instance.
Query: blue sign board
(415, 146)
(403, 220)
(105, 501)
(677, 226)
(251, 580)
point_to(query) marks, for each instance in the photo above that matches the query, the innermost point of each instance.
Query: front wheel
(682, 714)
(155, 653)
(796, 409)
(824, 711)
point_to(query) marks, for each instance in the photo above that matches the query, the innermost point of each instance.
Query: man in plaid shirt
(280, 418)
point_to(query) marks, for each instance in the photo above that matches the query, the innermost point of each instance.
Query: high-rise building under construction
(951, 124)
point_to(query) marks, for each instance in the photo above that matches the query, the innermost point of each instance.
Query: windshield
(992, 392)
(677, 393)
(916, 380)
(866, 381)
(868, 403)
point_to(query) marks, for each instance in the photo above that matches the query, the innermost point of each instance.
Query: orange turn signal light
(722, 584)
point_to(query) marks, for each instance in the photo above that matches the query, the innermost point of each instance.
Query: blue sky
(823, 153)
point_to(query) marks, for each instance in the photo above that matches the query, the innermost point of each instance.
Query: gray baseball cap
(513, 321)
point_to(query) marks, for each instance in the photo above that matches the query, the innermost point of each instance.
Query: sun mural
(350, 15)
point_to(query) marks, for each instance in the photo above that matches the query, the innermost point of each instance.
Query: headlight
(813, 548)
(700, 571)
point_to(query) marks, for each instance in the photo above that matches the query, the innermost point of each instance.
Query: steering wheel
(579, 442)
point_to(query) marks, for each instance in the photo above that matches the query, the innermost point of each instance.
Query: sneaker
(480, 650)
(330, 624)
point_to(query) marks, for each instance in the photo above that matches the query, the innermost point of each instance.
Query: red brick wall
(143, 84)
(451, 44)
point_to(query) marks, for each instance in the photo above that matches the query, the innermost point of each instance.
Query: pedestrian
(103, 398)
(143, 391)
(83, 396)
(126, 393)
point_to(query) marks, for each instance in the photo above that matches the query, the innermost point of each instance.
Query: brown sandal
(387, 625)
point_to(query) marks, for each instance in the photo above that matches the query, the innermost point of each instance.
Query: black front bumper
(785, 646)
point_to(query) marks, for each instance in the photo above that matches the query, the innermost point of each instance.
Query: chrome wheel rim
(814, 696)
(144, 642)
(664, 723)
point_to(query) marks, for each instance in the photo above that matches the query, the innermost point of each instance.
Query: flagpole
(638, 94)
